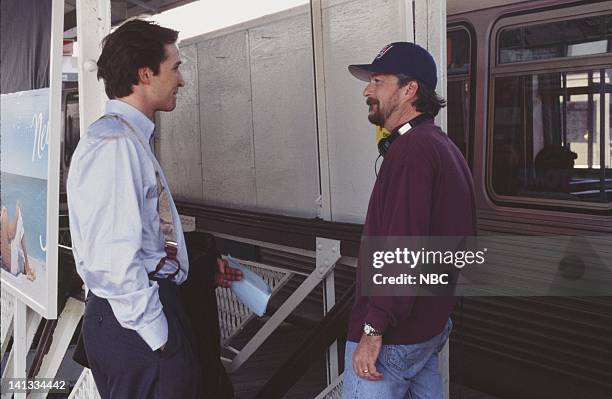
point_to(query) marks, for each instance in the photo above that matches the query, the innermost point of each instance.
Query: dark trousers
(125, 367)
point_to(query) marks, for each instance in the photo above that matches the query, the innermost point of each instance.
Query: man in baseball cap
(413, 67)
(424, 188)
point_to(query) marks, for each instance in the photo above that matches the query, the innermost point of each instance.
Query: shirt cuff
(377, 319)
(155, 334)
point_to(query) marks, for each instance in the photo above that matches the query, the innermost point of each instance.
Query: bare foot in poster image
(29, 272)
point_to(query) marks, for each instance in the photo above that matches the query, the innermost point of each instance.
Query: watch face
(370, 330)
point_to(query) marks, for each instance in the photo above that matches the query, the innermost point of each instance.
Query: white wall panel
(226, 121)
(353, 33)
(178, 141)
(284, 118)
(255, 115)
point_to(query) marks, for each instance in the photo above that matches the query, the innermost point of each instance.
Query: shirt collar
(137, 119)
(404, 128)
(412, 123)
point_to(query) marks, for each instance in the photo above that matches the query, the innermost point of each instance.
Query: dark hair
(428, 101)
(553, 166)
(134, 45)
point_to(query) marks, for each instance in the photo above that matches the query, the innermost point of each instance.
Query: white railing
(31, 321)
(85, 387)
(233, 315)
(333, 390)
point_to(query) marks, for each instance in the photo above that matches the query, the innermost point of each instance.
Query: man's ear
(409, 91)
(411, 88)
(144, 75)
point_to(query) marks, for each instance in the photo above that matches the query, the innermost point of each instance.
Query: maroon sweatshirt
(424, 188)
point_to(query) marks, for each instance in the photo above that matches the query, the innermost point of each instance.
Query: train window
(550, 130)
(458, 52)
(458, 89)
(552, 136)
(576, 37)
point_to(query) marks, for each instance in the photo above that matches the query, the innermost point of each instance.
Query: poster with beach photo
(30, 111)
(23, 172)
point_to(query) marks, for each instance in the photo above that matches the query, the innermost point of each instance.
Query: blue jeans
(410, 371)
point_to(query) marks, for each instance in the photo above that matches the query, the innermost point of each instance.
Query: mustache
(371, 101)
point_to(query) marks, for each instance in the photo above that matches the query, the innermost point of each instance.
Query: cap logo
(384, 51)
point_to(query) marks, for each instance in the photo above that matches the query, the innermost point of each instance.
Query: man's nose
(367, 90)
(181, 81)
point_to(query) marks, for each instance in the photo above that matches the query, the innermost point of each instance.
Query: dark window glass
(458, 89)
(458, 52)
(551, 136)
(71, 125)
(584, 36)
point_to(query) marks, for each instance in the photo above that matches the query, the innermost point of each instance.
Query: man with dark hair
(127, 238)
(554, 165)
(424, 188)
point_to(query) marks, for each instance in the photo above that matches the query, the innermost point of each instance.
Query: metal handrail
(333, 326)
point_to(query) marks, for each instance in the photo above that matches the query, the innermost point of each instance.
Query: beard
(375, 117)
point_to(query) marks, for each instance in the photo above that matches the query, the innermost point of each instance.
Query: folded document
(252, 290)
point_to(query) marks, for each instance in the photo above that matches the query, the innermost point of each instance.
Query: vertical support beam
(53, 162)
(327, 254)
(409, 20)
(420, 21)
(436, 44)
(93, 24)
(430, 33)
(316, 18)
(329, 294)
(604, 134)
(20, 346)
(429, 20)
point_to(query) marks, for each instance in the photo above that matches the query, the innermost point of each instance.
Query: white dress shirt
(114, 223)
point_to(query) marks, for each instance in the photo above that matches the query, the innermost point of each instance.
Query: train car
(529, 86)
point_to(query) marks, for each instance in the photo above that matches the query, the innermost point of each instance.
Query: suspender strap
(164, 208)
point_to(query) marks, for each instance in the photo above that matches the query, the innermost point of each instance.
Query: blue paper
(252, 290)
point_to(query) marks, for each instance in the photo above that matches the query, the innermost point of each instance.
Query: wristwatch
(370, 331)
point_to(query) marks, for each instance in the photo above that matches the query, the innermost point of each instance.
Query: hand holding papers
(252, 290)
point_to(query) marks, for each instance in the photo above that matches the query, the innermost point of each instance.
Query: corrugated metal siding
(568, 336)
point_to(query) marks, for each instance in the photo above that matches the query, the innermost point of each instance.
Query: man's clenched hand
(364, 358)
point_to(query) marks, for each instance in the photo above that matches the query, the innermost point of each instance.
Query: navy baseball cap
(400, 57)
